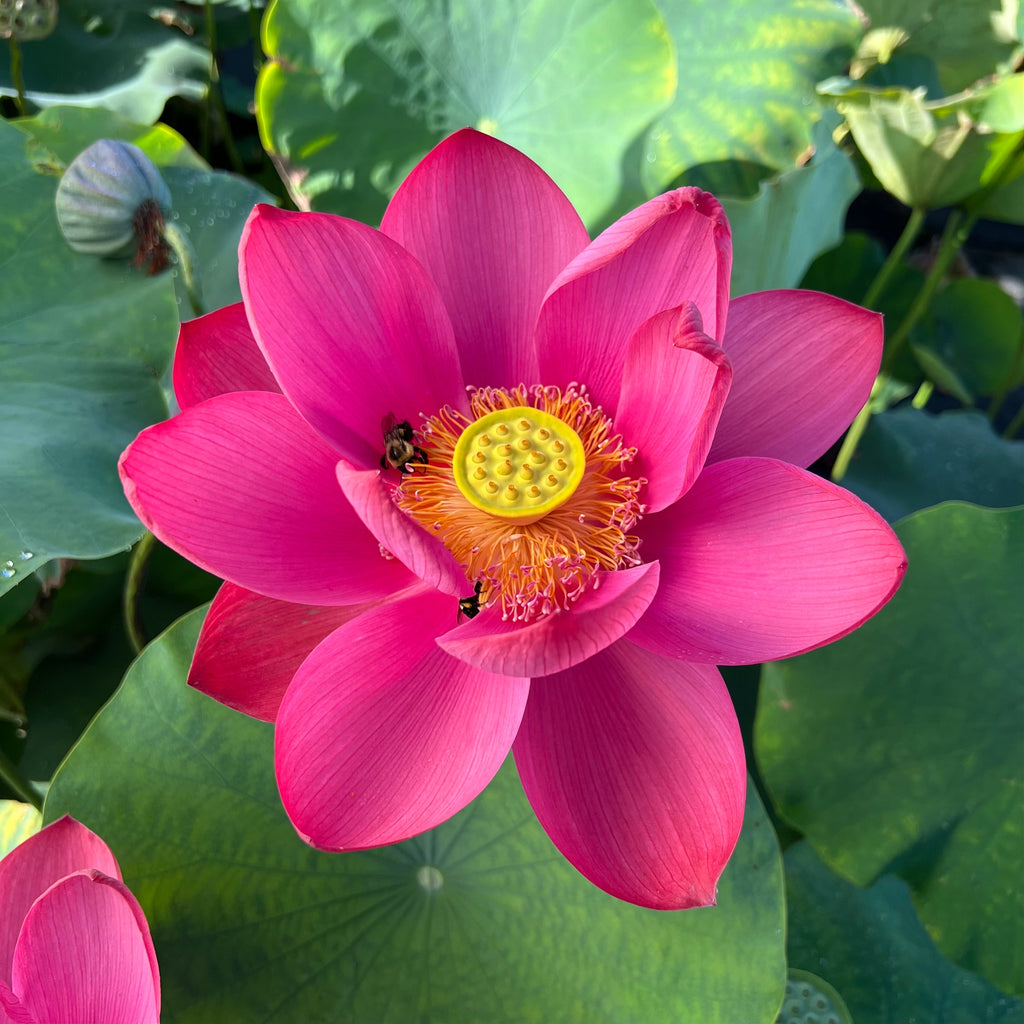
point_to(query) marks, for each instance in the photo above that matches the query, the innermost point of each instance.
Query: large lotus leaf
(793, 218)
(479, 919)
(964, 39)
(353, 96)
(871, 946)
(909, 459)
(901, 746)
(118, 54)
(746, 84)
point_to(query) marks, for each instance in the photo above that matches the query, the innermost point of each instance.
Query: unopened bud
(111, 201)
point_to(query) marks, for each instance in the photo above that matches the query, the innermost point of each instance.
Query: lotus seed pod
(27, 20)
(810, 1000)
(111, 201)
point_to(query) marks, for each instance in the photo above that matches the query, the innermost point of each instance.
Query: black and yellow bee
(399, 449)
(470, 606)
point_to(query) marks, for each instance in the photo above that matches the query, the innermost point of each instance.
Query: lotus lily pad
(351, 98)
(479, 919)
(908, 738)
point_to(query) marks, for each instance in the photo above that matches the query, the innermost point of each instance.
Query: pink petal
(421, 553)
(493, 231)
(383, 735)
(761, 560)
(634, 764)
(350, 324)
(85, 954)
(674, 249)
(674, 385)
(243, 487)
(803, 365)
(33, 866)
(250, 646)
(558, 641)
(12, 1009)
(217, 354)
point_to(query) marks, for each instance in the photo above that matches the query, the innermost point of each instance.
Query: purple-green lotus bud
(111, 201)
(26, 20)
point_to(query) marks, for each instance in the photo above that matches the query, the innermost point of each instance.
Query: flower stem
(17, 78)
(910, 232)
(958, 227)
(854, 434)
(10, 773)
(138, 566)
(186, 256)
(924, 392)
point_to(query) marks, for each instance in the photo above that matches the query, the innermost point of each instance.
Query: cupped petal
(761, 560)
(555, 642)
(243, 487)
(250, 646)
(493, 231)
(634, 765)
(216, 355)
(370, 496)
(383, 735)
(63, 847)
(350, 323)
(803, 365)
(85, 954)
(674, 385)
(674, 249)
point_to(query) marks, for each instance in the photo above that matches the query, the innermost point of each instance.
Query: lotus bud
(27, 20)
(111, 202)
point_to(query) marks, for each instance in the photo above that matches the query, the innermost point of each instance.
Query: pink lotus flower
(74, 943)
(609, 525)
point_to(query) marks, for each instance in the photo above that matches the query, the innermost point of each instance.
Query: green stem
(186, 256)
(17, 78)
(853, 436)
(958, 227)
(10, 773)
(138, 566)
(215, 96)
(1015, 424)
(924, 392)
(910, 232)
